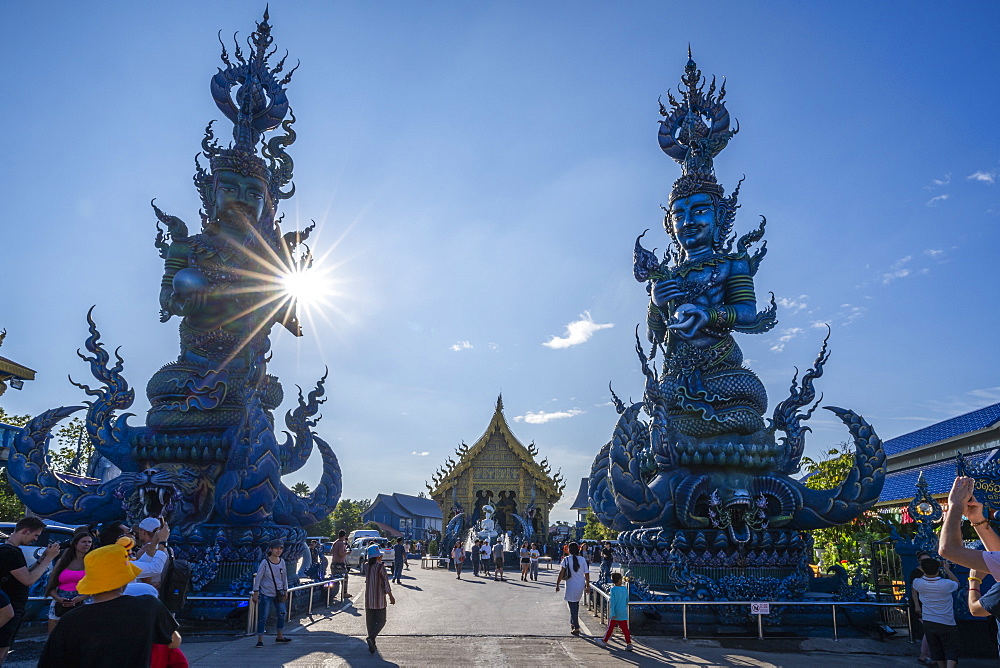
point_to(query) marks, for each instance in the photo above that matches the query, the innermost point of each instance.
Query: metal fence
(309, 588)
(599, 602)
(328, 585)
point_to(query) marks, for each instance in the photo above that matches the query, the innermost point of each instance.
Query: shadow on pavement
(308, 648)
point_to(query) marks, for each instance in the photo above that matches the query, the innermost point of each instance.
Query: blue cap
(374, 551)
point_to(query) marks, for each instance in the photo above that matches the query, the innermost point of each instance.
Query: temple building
(933, 452)
(498, 470)
(12, 374)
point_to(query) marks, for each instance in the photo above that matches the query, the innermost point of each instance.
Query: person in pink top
(65, 575)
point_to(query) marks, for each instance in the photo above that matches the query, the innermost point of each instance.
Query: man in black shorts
(338, 560)
(935, 605)
(498, 561)
(16, 576)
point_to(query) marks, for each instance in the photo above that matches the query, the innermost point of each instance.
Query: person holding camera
(16, 576)
(270, 589)
(151, 538)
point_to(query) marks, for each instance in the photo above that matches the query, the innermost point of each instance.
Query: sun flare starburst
(307, 287)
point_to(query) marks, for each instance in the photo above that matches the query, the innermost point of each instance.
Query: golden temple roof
(11, 369)
(446, 478)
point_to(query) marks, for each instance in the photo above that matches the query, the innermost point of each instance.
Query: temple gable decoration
(497, 470)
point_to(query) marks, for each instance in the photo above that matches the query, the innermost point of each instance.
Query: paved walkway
(441, 621)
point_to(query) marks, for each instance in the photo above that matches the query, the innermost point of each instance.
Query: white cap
(149, 524)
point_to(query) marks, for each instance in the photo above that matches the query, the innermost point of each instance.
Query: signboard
(760, 608)
(987, 488)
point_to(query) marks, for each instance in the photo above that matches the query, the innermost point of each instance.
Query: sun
(307, 287)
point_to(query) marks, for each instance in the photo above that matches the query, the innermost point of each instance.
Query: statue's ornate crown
(260, 106)
(694, 131)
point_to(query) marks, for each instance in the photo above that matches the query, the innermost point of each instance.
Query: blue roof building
(933, 451)
(7, 435)
(411, 517)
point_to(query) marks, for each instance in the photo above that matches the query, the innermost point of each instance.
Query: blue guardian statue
(208, 460)
(695, 476)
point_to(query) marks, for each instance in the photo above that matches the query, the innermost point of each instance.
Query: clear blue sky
(479, 172)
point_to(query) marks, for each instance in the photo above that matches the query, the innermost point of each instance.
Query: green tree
(11, 508)
(594, 530)
(301, 489)
(347, 516)
(13, 420)
(322, 528)
(849, 542)
(69, 438)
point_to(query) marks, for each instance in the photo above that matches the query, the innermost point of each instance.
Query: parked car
(357, 555)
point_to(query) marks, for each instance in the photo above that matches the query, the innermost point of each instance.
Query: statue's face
(239, 200)
(693, 221)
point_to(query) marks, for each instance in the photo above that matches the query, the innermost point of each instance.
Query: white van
(361, 533)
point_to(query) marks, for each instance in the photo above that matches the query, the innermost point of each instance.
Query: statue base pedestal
(707, 565)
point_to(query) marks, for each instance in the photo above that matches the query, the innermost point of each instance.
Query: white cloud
(460, 346)
(420, 454)
(493, 347)
(577, 332)
(541, 417)
(795, 304)
(933, 253)
(851, 313)
(985, 177)
(934, 201)
(963, 403)
(940, 182)
(786, 336)
(897, 270)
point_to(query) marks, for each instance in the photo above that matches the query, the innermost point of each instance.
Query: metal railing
(602, 606)
(251, 606)
(310, 587)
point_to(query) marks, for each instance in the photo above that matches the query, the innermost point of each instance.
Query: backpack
(175, 584)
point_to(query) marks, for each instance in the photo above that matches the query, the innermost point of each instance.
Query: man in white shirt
(533, 554)
(936, 605)
(153, 557)
(486, 558)
(150, 560)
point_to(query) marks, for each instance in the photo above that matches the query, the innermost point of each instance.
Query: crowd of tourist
(101, 582)
(109, 577)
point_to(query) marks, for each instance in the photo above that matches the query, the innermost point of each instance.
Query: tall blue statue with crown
(208, 459)
(695, 477)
